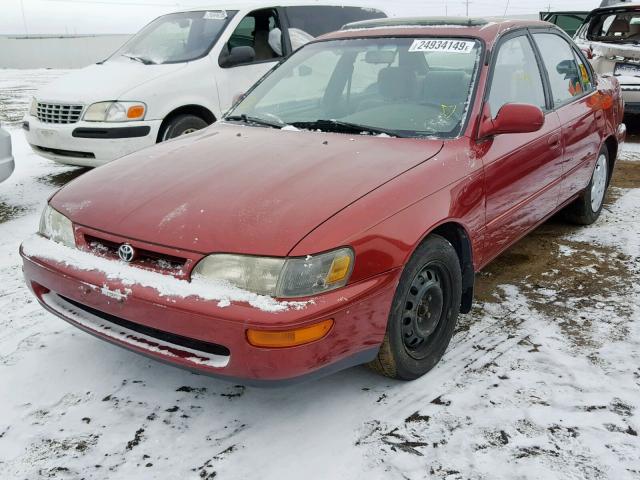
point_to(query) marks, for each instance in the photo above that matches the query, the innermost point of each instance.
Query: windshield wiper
(339, 126)
(143, 60)
(255, 121)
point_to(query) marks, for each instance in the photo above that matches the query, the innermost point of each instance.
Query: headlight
(115, 112)
(279, 277)
(56, 227)
(33, 108)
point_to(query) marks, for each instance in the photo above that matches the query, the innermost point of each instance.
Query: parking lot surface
(542, 379)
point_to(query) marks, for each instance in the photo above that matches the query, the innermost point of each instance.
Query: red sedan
(338, 214)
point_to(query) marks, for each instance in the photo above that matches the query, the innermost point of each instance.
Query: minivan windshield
(622, 26)
(177, 37)
(406, 87)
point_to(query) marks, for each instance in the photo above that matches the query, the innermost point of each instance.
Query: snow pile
(166, 285)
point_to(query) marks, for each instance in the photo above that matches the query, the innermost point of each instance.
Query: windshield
(178, 37)
(397, 86)
(617, 27)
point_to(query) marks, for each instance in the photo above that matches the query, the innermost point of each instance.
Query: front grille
(59, 113)
(144, 258)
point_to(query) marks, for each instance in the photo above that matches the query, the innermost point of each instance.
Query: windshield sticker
(434, 45)
(215, 15)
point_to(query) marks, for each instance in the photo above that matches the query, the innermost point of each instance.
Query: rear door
(572, 87)
(523, 170)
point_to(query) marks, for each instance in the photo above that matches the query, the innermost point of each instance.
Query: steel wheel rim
(425, 310)
(166, 135)
(599, 183)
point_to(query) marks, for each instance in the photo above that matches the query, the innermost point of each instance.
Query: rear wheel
(587, 208)
(182, 125)
(424, 312)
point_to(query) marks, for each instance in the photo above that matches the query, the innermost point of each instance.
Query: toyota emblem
(126, 253)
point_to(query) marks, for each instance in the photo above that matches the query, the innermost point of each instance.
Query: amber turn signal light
(289, 338)
(137, 111)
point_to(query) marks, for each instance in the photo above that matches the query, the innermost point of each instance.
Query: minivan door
(262, 31)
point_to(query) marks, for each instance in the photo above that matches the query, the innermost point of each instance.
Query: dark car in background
(569, 21)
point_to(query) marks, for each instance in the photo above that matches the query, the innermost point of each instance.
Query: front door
(523, 171)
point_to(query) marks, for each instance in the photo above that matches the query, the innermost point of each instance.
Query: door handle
(554, 141)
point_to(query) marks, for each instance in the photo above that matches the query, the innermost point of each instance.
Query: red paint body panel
(266, 192)
(237, 189)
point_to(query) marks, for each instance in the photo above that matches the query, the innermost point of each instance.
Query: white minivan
(177, 75)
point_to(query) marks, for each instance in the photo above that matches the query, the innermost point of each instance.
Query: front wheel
(182, 125)
(424, 312)
(587, 208)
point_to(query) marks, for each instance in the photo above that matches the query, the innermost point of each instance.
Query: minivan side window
(516, 76)
(260, 30)
(316, 21)
(567, 79)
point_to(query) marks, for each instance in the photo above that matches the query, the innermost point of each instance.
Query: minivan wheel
(587, 208)
(424, 312)
(182, 125)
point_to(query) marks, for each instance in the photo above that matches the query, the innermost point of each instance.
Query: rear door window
(566, 77)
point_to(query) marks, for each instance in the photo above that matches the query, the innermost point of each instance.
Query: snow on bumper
(187, 324)
(59, 143)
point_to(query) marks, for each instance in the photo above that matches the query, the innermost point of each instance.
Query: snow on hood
(166, 285)
(237, 189)
(103, 82)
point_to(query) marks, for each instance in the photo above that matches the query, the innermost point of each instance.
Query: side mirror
(567, 68)
(512, 118)
(238, 56)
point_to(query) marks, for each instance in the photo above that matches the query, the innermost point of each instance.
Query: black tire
(181, 125)
(424, 312)
(586, 208)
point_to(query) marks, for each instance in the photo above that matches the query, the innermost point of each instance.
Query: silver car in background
(7, 163)
(610, 37)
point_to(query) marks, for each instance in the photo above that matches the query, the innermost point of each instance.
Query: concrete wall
(61, 52)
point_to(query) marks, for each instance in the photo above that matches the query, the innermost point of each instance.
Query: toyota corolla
(339, 213)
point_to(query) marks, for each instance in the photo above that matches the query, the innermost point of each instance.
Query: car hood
(237, 189)
(102, 82)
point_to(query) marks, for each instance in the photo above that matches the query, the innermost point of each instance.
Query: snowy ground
(541, 381)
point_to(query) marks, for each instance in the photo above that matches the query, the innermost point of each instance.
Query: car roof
(487, 29)
(618, 6)
(256, 4)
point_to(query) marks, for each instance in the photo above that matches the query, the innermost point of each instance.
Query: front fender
(386, 226)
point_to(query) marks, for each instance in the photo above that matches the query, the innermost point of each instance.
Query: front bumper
(7, 166)
(631, 97)
(7, 163)
(200, 335)
(89, 144)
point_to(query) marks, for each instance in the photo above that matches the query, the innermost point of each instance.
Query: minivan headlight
(56, 227)
(115, 112)
(279, 277)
